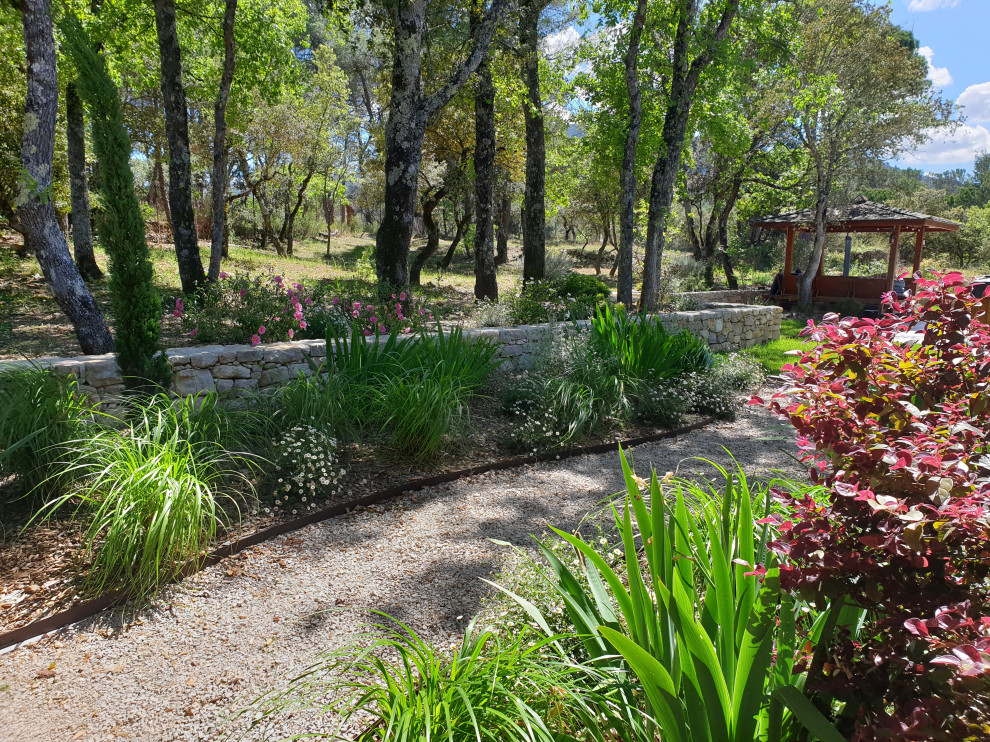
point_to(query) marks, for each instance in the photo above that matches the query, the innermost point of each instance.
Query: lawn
(773, 356)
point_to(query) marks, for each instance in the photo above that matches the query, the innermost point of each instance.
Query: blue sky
(953, 35)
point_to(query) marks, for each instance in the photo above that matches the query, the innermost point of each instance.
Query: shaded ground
(242, 627)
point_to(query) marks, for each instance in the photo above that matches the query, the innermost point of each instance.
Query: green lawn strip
(772, 356)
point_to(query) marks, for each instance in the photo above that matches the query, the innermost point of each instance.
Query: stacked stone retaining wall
(229, 368)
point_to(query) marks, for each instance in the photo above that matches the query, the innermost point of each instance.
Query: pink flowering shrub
(245, 309)
(898, 432)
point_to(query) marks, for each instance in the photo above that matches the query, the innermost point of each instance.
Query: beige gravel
(243, 626)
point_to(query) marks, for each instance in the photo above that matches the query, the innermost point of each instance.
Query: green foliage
(489, 688)
(694, 615)
(773, 355)
(151, 494)
(306, 470)
(41, 412)
(572, 297)
(413, 390)
(644, 349)
(136, 305)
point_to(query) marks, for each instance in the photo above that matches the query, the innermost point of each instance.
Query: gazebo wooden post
(892, 259)
(919, 245)
(789, 252)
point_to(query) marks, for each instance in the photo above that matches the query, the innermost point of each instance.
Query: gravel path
(239, 628)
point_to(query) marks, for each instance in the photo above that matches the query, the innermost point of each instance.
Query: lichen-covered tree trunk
(35, 209)
(82, 231)
(408, 114)
(534, 201)
(485, 281)
(462, 225)
(430, 203)
(179, 158)
(627, 177)
(219, 175)
(685, 74)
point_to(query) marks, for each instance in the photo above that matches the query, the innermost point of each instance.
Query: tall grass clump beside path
(487, 688)
(154, 493)
(41, 411)
(411, 391)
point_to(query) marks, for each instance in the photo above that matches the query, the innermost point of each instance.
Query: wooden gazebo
(859, 217)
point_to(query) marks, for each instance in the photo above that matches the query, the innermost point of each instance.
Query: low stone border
(229, 368)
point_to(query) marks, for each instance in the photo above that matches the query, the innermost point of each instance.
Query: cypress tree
(134, 301)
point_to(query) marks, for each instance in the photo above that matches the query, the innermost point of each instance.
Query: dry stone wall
(230, 368)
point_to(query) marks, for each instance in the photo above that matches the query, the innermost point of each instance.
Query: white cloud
(976, 101)
(952, 146)
(922, 6)
(938, 75)
(562, 42)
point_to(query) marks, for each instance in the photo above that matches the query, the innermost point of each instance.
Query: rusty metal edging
(90, 608)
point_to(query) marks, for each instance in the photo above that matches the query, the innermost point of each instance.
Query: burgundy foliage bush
(897, 432)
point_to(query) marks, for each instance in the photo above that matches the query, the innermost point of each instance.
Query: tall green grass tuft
(153, 494)
(414, 391)
(486, 689)
(41, 411)
(644, 349)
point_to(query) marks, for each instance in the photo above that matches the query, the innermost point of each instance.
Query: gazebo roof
(861, 215)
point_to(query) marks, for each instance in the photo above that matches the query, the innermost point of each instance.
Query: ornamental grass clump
(394, 686)
(897, 550)
(41, 413)
(154, 494)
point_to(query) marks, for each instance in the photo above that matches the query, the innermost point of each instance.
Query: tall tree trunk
(219, 177)
(82, 231)
(409, 113)
(534, 209)
(806, 279)
(290, 216)
(485, 281)
(264, 206)
(432, 235)
(179, 158)
(462, 225)
(684, 81)
(504, 222)
(627, 177)
(35, 209)
(162, 192)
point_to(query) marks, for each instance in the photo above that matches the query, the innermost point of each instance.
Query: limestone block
(299, 368)
(205, 357)
(231, 372)
(283, 353)
(193, 381)
(246, 354)
(508, 351)
(245, 383)
(317, 348)
(225, 385)
(272, 376)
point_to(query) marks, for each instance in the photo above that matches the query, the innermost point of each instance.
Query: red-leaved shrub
(897, 428)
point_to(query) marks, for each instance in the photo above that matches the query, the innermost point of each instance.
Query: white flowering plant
(306, 472)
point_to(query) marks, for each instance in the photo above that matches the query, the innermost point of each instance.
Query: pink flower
(243, 293)
(261, 330)
(298, 315)
(422, 312)
(278, 280)
(367, 332)
(302, 325)
(357, 305)
(374, 319)
(355, 313)
(381, 328)
(223, 275)
(292, 333)
(405, 329)
(336, 300)
(194, 333)
(393, 296)
(255, 340)
(402, 296)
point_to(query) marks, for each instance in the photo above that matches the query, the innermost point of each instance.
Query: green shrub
(691, 611)
(572, 297)
(305, 469)
(151, 495)
(849, 308)
(582, 294)
(136, 306)
(41, 413)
